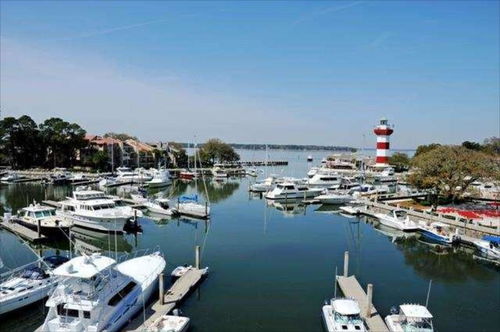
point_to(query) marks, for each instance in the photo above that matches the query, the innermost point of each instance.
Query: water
(271, 271)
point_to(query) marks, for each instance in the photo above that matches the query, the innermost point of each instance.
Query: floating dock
(351, 288)
(22, 231)
(168, 301)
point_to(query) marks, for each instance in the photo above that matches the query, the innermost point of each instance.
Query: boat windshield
(348, 319)
(45, 213)
(103, 206)
(400, 214)
(417, 325)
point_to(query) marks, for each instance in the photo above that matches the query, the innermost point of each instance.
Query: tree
(399, 160)
(472, 146)
(426, 148)
(120, 136)
(492, 145)
(62, 139)
(100, 160)
(449, 170)
(214, 150)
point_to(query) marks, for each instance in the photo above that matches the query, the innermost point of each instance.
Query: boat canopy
(346, 307)
(415, 311)
(84, 266)
(188, 198)
(492, 238)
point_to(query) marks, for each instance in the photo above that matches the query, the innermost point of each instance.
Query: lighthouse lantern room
(383, 131)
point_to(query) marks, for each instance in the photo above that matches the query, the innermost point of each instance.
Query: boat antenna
(335, 291)
(428, 293)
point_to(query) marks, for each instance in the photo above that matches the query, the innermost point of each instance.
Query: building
(138, 154)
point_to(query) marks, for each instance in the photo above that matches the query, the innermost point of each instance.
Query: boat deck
(351, 288)
(22, 231)
(172, 297)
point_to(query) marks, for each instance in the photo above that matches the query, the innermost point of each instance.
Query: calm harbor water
(271, 270)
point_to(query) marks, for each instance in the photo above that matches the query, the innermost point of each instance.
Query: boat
(187, 175)
(139, 175)
(353, 209)
(387, 175)
(437, 232)
(94, 210)
(36, 215)
(29, 284)
(489, 249)
(263, 186)
(291, 190)
(161, 178)
(411, 317)
(343, 314)
(219, 173)
(188, 205)
(99, 294)
(170, 323)
(107, 181)
(312, 171)
(160, 206)
(324, 178)
(310, 158)
(59, 178)
(179, 271)
(11, 177)
(335, 197)
(397, 219)
(251, 172)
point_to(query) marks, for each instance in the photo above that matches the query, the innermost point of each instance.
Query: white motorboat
(312, 171)
(36, 215)
(107, 181)
(10, 177)
(188, 205)
(263, 186)
(290, 190)
(139, 175)
(335, 197)
(437, 232)
(411, 317)
(28, 285)
(92, 209)
(397, 219)
(170, 323)
(219, 173)
(251, 172)
(310, 158)
(488, 249)
(324, 178)
(179, 271)
(353, 209)
(161, 178)
(160, 206)
(343, 315)
(99, 294)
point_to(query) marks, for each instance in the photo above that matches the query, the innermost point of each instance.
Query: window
(61, 311)
(121, 294)
(86, 314)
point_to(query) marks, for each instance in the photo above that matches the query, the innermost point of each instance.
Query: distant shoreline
(297, 147)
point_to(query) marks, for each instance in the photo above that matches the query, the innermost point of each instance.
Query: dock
(22, 231)
(170, 299)
(351, 288)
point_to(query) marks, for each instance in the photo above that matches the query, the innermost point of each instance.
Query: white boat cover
(84, 266)
(346, 307)
(415, 311)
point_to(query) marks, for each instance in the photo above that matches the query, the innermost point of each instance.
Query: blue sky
(280, 72)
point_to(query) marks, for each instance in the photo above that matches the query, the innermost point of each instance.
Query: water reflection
(289, 208)
(217, 190)
(16, 196)
(85, 240)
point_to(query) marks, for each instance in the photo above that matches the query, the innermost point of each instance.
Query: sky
(315, 72)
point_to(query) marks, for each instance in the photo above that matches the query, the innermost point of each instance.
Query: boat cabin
(414, 317)
(346, 315)
(37, 211)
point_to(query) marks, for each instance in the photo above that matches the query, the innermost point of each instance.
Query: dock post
(38, 227)
(369, 297)
(206, 209)
(160, 288)
(197, 257)
(346, 263)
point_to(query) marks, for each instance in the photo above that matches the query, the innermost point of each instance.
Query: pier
(22, 231)
(351, 288)
(168, 300)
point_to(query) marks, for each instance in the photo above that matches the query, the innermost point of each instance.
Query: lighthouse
(383, 131)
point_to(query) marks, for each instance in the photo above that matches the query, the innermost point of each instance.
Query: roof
(84, 266)
(139, 145)
(415, 311)
(346, 307)
(38, 207)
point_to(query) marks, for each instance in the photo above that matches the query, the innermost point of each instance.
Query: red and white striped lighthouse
(383, 131)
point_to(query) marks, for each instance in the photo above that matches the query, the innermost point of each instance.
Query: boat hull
(429, 235)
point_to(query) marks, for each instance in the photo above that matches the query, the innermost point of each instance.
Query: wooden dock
(22, 231)
(351, 288)
(168, 301)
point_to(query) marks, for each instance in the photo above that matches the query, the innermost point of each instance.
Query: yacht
(437, 232)
(387, 175)
(161, 178)
(28, 285)
(36, 215)
(325, 179)
(335, 197)
(139, 175)
(488, 248)
(411, 317)
(343, 315)
(99, 294)
(397, 219)
(263, 186)
(92, 209)
(10, 177)
(291, 190)
(160, 206)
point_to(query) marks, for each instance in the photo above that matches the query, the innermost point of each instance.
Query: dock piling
(38, 227)
(346, 264)
(161, 289)
(369, 297)
(197, 257)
